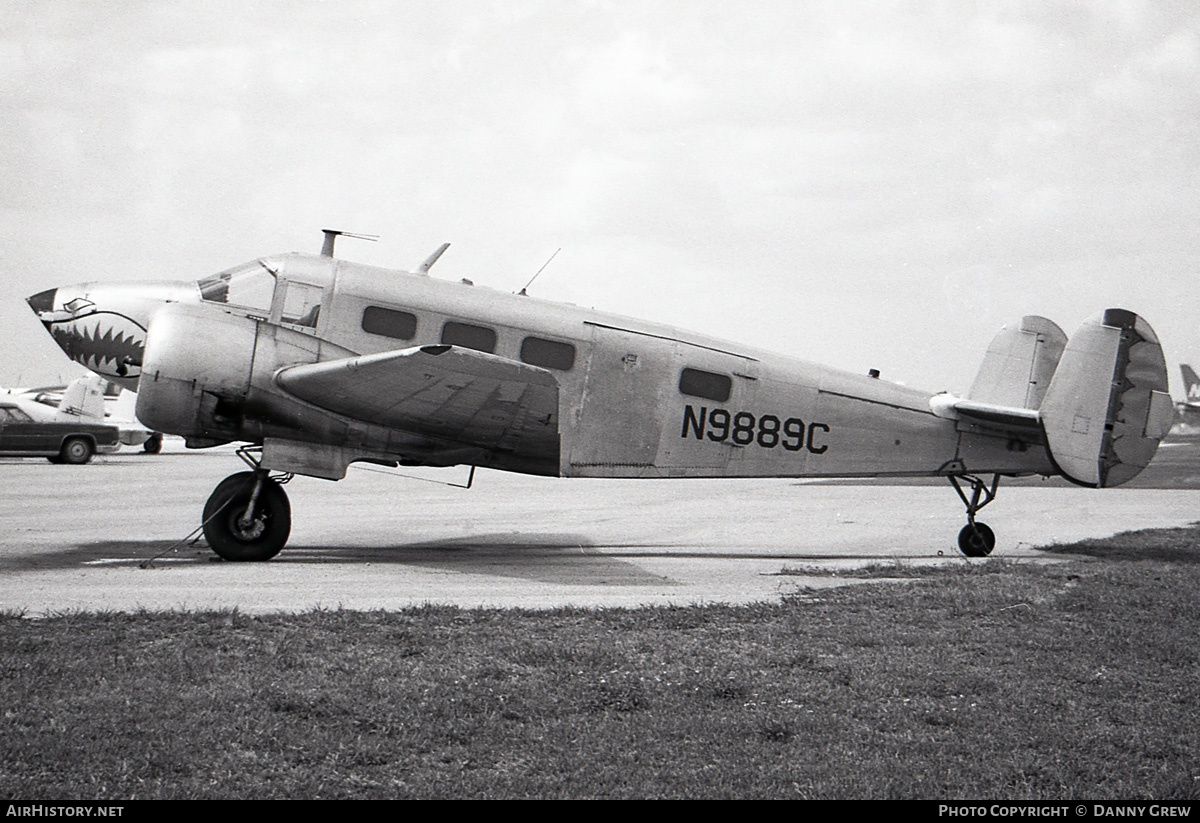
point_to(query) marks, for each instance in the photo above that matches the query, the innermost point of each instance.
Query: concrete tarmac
(77, 537)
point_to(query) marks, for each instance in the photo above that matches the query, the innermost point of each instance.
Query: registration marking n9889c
(743, 428)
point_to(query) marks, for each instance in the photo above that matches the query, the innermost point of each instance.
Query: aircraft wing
(440, 391)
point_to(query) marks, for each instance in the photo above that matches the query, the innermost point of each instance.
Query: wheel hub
(247, 529)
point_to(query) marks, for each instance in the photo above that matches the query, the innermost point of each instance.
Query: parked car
(22, 436)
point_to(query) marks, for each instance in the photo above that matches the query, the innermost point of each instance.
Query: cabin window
(479, 338)
(389, 323)
(705, 384)
(549, 354)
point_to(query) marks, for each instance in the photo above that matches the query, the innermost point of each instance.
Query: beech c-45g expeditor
(315, 362)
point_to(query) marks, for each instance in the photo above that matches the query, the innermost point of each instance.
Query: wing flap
(441, 391)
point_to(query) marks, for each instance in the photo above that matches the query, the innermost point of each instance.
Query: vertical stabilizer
(83, 400)
(1191, 383)
(1019, 364)
(123, 408)
(1107, 407)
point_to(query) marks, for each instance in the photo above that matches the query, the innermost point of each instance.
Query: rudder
(1107, 407)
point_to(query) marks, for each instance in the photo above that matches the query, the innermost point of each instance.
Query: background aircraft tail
(83, 400)
(1107, 406)
(1191, 383)
(123, 407)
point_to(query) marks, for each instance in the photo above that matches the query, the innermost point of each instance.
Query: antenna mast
(539, 271)
(431, 259)
(332, 234)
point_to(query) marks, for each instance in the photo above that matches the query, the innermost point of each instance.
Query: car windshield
(251, 285)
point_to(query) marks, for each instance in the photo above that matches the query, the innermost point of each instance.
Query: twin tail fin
(1099, 398)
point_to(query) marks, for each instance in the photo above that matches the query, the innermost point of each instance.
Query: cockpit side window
(251, 285)
(302, 304)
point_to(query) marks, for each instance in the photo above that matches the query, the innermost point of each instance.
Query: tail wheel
(976, 540)
(76, 451)
(234, 531)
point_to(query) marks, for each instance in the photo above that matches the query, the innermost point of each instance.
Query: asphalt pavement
(86, 537)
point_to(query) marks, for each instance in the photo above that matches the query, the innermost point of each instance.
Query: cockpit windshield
(251, 285)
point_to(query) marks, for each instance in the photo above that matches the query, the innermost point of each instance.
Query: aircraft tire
(976, 540)
(266, 535)
(76, 451)
(153, 444)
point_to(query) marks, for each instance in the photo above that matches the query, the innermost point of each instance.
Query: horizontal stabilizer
(1019, 364)
(440, 391)
(1011, 381)
(1107, 407)
(1008, 417)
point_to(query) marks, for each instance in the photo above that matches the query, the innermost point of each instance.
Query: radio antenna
(332, 234)
(539, 271)
(431, 259)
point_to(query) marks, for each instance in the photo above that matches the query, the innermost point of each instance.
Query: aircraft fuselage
(317, 363)
(635, 399)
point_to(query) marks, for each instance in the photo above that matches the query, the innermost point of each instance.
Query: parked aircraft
(80, 402)
(69, 432)
(90, 399)
(315, 362)
(1189, 407)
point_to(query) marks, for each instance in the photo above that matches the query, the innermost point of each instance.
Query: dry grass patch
(992, 680)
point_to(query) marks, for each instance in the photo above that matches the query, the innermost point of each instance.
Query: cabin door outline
(621, 417)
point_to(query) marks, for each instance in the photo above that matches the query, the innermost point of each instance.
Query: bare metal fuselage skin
(209, 370)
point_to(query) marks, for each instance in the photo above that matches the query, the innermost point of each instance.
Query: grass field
(997, 680)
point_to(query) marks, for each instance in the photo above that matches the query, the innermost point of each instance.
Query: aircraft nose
(43, 301)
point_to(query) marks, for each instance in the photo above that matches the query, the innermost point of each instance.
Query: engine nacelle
(196, 371)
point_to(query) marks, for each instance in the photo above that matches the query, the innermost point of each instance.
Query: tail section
(83, 400)
(1191, 383)
(123, 408)
(1019, 364)
(1107, 406)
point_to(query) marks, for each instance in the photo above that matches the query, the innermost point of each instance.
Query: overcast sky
(862, 184)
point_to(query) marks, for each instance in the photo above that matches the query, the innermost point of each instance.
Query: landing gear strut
(248, 516)
(976, 539)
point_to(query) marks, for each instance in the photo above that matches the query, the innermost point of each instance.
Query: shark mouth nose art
(108, 343)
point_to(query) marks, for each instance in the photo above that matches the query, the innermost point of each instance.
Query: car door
(19, 432)
(5, 444)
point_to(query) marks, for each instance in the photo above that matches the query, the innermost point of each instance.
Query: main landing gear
(976, 539)
(248, 516)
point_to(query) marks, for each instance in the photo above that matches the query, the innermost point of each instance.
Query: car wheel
(76, 451)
